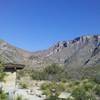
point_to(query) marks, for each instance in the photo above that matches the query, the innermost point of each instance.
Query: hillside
(76, 53)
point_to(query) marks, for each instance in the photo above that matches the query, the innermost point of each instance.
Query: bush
(52, 90)
(79, 93)
(51, 72)
(84, 92)
(88, 86)
(52, 98)
(53, 69)
(97, 90)
(2, 75)
(23, 85)
(19, 97)
(3, 96)
(80, 90)
(44, 86)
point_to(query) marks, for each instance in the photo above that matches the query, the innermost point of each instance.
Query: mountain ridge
(81, 51)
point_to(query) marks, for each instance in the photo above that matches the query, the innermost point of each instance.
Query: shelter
(11, 76)
(11, 67)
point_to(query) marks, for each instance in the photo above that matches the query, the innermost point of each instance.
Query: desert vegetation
(52, 72)
(80, 90)
(19, 97)
(3, 95)
(56, 81)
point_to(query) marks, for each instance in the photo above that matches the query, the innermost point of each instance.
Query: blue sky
(37, 24)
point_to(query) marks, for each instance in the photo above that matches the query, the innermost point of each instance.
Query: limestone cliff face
(81, 51)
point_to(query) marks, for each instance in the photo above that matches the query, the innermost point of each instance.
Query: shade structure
(13, 67)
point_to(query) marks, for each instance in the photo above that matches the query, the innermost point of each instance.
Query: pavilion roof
(13, 65)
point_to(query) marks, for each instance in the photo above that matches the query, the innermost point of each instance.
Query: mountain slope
(82, 51)
(12, 54)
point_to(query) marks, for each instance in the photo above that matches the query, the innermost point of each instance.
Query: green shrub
(23, 85)
(47, 92)
(80, 90)
(85, 88)
(2, 75)
(53, 69)
(88, 86)
(3, 96)
(83, 92)
(51, 72)
(52, 90)
(44, 86)
(97, 90)
(79, 93)
(19, 97)
(52, 98)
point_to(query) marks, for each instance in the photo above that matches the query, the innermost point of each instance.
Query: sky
(38, 24)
